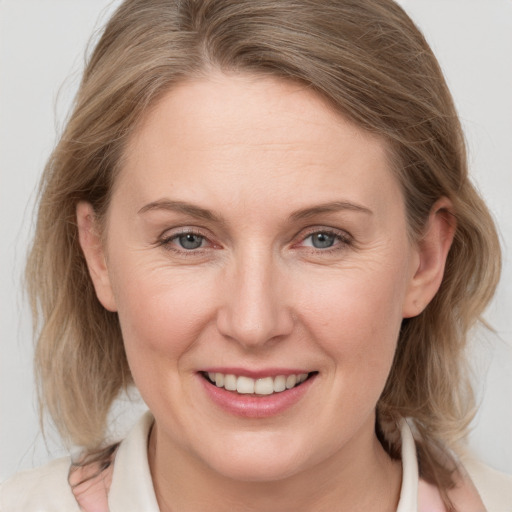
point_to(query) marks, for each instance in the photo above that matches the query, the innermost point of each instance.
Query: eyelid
(344, 238)
(167, 237)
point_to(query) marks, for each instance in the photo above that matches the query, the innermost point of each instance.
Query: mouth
(259, 387)
(257, 394)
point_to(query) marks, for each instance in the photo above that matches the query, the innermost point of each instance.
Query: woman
(259, 214)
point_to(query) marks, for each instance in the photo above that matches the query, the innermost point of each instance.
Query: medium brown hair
(368, 59)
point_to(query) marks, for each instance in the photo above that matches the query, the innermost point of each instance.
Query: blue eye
(190, 241)
(185, 242)
(323, 240)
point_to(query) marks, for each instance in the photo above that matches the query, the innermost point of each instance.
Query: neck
(359, 478)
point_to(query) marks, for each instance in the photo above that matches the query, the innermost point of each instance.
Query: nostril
(254, 317)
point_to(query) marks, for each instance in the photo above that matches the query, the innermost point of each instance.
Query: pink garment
(429, 498)
(127, 486)
(91, 486)
(92, 496)
(90, 483)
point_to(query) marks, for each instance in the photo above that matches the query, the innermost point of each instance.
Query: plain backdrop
(42, 48)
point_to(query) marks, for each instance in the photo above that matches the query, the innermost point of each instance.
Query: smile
(262, 386)
(260, 395)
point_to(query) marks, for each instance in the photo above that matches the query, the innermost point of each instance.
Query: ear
(92, 247)
(432, 250)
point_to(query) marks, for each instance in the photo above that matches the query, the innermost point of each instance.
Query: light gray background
(42, 44)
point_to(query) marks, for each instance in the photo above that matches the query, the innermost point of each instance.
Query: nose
(256, 307)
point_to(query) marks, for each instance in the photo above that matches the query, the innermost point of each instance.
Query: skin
(257, 294)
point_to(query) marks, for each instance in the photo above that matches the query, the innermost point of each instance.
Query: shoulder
(494, 487)
(44, 489)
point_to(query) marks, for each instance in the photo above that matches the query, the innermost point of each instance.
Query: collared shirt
(47, 490)
(139, 493)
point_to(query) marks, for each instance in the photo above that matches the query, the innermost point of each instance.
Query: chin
(269, 463)
(260, 470)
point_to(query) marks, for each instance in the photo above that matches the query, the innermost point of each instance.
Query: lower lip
(251, 406)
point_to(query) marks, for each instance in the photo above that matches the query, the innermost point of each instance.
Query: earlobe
(432, 252)
(92, 247)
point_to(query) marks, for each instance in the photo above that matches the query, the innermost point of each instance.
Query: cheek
(161, 312)
(355, 318)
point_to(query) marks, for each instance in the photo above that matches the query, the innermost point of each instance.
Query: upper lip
(255, 373)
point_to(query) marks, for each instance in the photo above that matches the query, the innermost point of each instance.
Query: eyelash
(167, 242)
(343, 240)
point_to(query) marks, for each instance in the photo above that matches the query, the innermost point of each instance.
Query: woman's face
(255, 236)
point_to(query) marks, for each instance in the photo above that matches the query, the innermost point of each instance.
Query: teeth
(219, 380)
(279, 383)
(244, 385)
(291, 380)
(230, 382)
(264, 386)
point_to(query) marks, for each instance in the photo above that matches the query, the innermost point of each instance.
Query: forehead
(224, 107)
(266, 135)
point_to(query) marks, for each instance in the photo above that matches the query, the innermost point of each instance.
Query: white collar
(132, 487)
(410, 475)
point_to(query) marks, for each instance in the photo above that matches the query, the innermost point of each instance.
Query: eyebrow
(182, 207)
(331, 207)
(203, 213)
